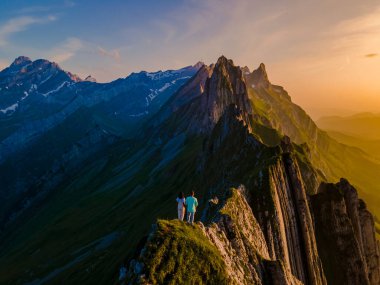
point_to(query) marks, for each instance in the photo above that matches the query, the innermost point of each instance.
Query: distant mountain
(364, 125)
(51, 121)
(261, 168)
(371, 147)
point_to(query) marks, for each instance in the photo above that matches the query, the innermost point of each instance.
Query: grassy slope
(334, 159)
(178, 253)
(111, 195)
(371, 147)
(363, 125)
(77, 215)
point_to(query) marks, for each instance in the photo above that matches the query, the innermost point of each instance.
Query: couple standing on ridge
(190, 204)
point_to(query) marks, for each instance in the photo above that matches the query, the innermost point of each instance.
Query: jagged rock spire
(226, 86)
(259, 77)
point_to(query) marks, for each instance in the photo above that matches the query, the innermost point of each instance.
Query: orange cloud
(115, 54)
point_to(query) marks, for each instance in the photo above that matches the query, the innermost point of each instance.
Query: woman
(181, 206)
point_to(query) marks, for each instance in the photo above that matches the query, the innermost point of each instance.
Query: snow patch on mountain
(57, 89)
(139, 114)
(163, 88)
(32, 88)
(46, 79)
(11, 108)
(181, 78)
(26, 94)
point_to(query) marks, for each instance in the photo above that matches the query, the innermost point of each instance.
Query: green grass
(371, 147)
(78, 214)
(179, 253)
(366, 126)
(331, 159)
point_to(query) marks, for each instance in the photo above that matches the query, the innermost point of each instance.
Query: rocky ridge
(258, 190)
(267, 227)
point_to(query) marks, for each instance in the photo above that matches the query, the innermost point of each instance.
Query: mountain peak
(225, 86)
(223, 61)
(245, 70)
(260, 76)
(199, 64)
(21, 61)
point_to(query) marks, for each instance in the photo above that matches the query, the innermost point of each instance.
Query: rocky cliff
(265, 225)
(273, 108)
(264, 218)
(345, 235)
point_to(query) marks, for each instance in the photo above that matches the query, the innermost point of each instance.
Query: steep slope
(264, 231)
(278, 195)
(62, 121)
(273, 108)
(283, 233)
(345, 235)
(209, 136)
(371, 147)
(364, 125)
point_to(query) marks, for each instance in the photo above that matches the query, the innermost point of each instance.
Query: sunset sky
(325, 53)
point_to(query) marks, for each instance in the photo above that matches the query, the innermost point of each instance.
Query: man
(191, 206)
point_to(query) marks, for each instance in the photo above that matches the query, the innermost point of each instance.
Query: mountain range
(361, 130)
(86, 168)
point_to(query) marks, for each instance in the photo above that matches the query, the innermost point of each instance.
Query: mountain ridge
(204, 136)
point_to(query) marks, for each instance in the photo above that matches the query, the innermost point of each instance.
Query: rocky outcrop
(268, 232)
(314, 272)
(345, 235)
(197, 107)
(259, 77)
(285, 218)
(233, 241)
(237, 235)
(226, 86)
(278, 194)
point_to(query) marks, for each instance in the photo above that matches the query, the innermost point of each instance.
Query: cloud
(66, 50)
(20, 24)
(115, 54)
(371, 55)
(359, 34)
(69, 3)
(32, 9)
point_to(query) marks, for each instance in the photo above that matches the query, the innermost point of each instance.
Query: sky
(325, 53)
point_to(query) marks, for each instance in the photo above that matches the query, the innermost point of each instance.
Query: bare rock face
(288, 224)
(279, 275)
(259, 77)
(314, 267)
(345, 235)
(281, 208)
(226, 86)
(199, 105)
(193, 89)
(265, 226)
(371, 248)
(237, 235)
